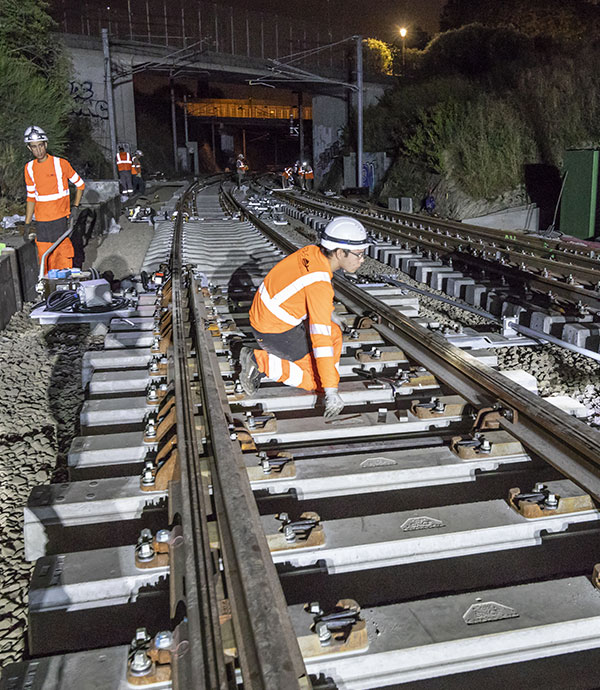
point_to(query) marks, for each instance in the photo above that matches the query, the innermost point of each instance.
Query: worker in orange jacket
(47, 180)
(292, 316)
(287, 177)
(308, 176)
(136, 173)
(124, 167)
(241, 167)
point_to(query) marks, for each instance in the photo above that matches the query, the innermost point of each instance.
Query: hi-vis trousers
(301, 373)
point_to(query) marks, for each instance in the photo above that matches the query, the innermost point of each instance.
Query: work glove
(337, 321)
(333, 402)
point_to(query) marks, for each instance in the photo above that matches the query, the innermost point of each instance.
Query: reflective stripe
(295, 377)
(59, 180)
(76, 180)
(275, 309)
(300, 284)
(30, 171)
(337, 367)
(275, 368)
(51, 197)
(30, 187)
(322, 352)
(320, 329)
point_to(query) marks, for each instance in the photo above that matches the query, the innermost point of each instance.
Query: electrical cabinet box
(579, 203)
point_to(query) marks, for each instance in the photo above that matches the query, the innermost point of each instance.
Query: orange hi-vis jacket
(241, 166)
(288, 173)
(308, 173)
(48, 186)
(297, 289)
(136, 167)
(123, 161)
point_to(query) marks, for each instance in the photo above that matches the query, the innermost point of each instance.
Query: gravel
(42, 395)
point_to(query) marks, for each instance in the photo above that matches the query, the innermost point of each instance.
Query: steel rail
(430, 223)
(267, 646)
(565, 442)
(568, 444)
(269, 653)
(589, 274)
(203, 664)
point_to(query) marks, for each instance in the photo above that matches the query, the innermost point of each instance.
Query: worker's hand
(337, 321)
(333, 402)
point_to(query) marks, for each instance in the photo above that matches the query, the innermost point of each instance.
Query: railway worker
(139, 185)
(47, 179)
(241, 167)
(308, 176)
(287, 177)
(296, 172)
(124, 167)
(292, 316)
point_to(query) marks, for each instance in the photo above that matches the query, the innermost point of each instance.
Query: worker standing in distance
(287, 177)
(297, 177)
(241, 168)
(308, 176)
(139, 185)
(47, 179)
(124, 167)
(293, 320)
(301, 179)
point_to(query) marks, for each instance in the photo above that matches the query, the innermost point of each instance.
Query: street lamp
(403, 33)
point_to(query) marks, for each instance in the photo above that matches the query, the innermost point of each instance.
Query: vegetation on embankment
(482, 103)
(34, 90)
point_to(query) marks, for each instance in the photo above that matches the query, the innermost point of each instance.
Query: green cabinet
(578, 207)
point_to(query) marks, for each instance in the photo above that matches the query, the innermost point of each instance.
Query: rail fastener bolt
(324, 634)
(163, 639)
(141, 664)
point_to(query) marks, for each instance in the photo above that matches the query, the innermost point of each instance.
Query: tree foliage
(33, 88)
(573, 20)
(26, 98)
(378, 56)
(479, 122)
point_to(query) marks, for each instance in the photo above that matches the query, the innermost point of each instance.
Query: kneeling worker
(47, 179)
(293, 320)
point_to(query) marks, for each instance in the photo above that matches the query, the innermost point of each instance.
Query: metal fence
(211, 26)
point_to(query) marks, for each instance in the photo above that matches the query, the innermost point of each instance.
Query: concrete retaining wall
(18, 276)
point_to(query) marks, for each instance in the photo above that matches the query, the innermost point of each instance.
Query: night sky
(377, 18)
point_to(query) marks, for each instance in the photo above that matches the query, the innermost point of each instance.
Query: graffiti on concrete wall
(330, 148)
(85, 103)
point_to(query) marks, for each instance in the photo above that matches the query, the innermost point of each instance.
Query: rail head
(562, 440)
(267, 647)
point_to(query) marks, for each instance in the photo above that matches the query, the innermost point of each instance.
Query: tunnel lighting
(403, 32)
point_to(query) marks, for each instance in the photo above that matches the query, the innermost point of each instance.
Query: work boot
(250, 374)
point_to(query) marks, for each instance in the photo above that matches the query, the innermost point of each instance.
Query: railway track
(442, 531)
(539, 286)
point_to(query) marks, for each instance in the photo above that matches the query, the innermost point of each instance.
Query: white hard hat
(344, 232)
(138, 153)
(240, 155)
(33, 134)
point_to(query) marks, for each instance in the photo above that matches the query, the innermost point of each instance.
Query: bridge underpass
(147, 78)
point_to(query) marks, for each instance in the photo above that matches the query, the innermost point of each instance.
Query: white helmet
(138, 153)
(240, 155)
(33, 134)
(344, 232)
